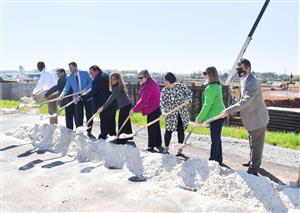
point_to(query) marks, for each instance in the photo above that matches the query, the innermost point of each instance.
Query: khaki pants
(52, 107)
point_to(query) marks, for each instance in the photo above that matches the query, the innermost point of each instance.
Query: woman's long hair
(119, 83)
(213, 76)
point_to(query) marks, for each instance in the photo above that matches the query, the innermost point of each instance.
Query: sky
(161, 36)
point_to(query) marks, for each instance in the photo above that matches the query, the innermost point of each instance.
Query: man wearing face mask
(254, 113)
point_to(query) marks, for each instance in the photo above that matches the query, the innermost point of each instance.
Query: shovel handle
(66, 96)
(73, 101)
(157, 119)
(168, 113)
(65, 106)
(119, 130)
(39, 92)
(86, 92)
(87, 123)
(187, 137)
(58, 98)
(193, 128)
(213, 119)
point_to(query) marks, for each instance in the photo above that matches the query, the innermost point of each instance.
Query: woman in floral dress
(173, 95)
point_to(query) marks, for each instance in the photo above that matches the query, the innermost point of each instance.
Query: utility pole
(246, 43)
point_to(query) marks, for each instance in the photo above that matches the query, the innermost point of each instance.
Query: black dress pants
(216, 142)
(107, 121)
(88, 106)
(127, 129)
(154, 133)
(70, 116)
(180, 133)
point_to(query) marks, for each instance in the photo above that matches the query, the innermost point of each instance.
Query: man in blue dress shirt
(80, 81)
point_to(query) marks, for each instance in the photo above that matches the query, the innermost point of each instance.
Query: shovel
(28, 102)
(58, 99)
(125, 136)
(112, 139)
(57, 114)
(81, 129)
(193, 128)
(65, 106)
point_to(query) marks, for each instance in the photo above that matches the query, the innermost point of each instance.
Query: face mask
(240, 72)
(206, 81)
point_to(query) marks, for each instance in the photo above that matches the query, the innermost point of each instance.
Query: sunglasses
(204, 73)
(140, 78)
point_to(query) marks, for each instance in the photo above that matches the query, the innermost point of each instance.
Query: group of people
(96, 92)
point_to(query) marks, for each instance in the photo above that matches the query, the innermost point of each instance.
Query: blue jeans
(216, 142)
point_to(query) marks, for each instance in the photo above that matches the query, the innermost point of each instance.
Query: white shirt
(243, 82)
(46, 81)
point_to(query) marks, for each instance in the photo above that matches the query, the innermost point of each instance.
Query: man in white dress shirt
(46, 81)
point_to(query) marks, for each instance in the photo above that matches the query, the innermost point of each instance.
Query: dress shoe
(102, 137)
(150, 149)
(160, 149)
(166, 150)
(252, 171)
(91, 136)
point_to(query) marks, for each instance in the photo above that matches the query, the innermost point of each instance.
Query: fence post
(193, 100)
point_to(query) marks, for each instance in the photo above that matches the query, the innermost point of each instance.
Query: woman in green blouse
(212, 105)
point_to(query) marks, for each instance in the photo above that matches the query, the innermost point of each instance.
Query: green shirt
(212, 102)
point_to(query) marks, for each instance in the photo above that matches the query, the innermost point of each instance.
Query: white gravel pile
(208, 178)
(59, 139)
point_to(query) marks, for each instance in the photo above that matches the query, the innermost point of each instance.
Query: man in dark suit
(80, 81)
(100, 93)
(69, 111)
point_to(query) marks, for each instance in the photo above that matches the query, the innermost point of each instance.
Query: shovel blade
(82, 129)
(48, 116)
(53, 116)
(27, 100)
(21, 105)
(112, 138)
(125, 136)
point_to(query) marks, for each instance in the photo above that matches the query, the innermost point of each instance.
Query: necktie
(77, 80)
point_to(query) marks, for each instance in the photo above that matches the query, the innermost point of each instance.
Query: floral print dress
(171, 98)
